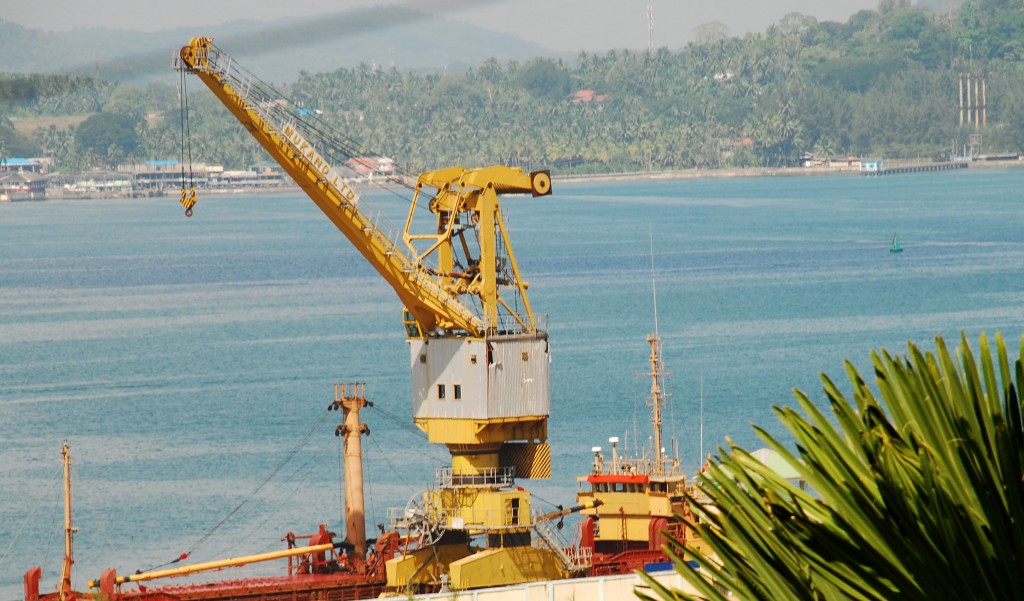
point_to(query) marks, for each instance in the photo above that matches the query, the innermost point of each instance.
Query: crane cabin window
(457, 391)
(440, 392)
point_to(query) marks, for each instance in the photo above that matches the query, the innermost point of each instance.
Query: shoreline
(760, 172)
(560, 178)
(703, 174)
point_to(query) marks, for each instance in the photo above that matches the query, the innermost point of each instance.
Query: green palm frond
(916, 492)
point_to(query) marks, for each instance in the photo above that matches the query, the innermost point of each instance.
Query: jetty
(876, 168)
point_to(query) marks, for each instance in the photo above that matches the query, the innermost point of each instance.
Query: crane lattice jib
(288, 142)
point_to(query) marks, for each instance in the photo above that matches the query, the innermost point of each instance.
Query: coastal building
(261, 175)
(21, 185)
(869, 166)
(99, 183)
(24, 165)
(780, 466)
(164, 175)
(587, 97)
(22, 179)
(372, 166)
(809, 160)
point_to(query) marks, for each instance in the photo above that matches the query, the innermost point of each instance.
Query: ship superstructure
(640, 497)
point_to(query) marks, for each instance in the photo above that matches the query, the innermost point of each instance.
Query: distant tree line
(885, 83)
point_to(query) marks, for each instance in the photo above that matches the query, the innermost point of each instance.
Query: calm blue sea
(189, 362)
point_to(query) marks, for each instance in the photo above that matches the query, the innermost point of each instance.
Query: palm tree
(917, 491)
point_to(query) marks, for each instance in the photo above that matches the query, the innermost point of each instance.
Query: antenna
(658, 393)
(654, 286)
(650, 29)
(701, 462)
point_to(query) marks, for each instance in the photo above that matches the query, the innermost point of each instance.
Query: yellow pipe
(218, 564)
(564, 512)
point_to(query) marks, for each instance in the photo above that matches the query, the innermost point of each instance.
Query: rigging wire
(398, 421)
(656, 368)
(295, 487)
(341, 482)
(700, 459)
(265, 481)
(636, 434)
(369, 504)
(323, 135)
(391, 465)
(558, 506)
(331, 142)
(244, 501)
(52, 529)
(380, 452)
(31, 514)
(321, 128)
(654, 286)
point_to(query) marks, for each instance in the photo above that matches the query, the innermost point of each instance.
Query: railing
(457, 518)
(509, 324)
(405, 518)
(501, 477)
(574, 558)
(645, 466)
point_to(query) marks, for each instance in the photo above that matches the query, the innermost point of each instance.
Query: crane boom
(479, 357)
(294, 143)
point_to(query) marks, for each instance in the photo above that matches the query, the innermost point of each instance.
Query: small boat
(896, 247)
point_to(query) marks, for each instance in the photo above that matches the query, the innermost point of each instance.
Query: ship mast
(657, 396)
(350, 399)
(69, 529)
(657, 400)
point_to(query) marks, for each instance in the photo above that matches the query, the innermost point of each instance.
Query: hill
(899, 83)
(387, 36)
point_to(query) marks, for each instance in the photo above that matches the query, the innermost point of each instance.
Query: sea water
(189, 362)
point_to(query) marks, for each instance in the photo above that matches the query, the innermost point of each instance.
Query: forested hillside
(885, 83)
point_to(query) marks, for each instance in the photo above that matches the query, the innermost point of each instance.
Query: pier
(916, 168)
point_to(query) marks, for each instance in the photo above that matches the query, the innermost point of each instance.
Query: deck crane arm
(479, 356)
(437, 298)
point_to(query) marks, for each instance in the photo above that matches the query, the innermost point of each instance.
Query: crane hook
(188, 200)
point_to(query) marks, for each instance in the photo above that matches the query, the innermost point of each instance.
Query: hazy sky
(568, 25)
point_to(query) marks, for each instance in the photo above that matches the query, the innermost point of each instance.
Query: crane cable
(188, 197)
(332, 140)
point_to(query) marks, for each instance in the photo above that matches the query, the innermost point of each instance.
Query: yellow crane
(479, 356)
